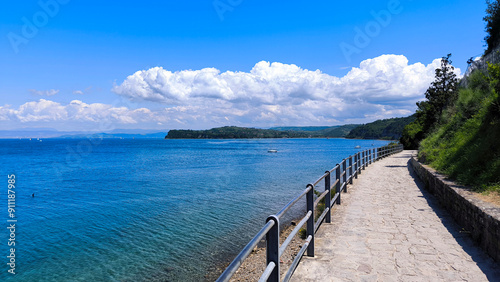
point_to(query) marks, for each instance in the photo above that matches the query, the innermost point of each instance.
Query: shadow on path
(489, 267)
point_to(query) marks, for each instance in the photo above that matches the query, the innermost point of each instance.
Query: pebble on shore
(253, 267)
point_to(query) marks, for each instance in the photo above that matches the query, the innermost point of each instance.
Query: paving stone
(389, 229)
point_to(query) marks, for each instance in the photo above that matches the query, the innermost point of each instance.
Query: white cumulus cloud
(269, 94)
(276, 93)
(76, 114)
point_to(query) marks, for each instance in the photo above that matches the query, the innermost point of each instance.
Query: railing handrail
(357, 162)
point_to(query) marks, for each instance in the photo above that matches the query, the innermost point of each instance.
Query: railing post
(370, 156)
(350, 170)
(273, 247)
(363, 160)
(344, 172)
(310, 221)
(328, 197)
(356, 165)
(337, 187)
(359, 163)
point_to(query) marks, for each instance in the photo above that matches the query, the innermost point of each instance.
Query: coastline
(253, 267)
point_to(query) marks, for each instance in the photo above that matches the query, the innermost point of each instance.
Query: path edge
(476, 217)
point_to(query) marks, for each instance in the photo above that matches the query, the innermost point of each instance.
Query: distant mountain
(337, 131)
(302, 128)
(233, 132)
(389, 129)
(29, 133)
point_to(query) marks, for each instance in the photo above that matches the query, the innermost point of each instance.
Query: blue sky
(72, 65)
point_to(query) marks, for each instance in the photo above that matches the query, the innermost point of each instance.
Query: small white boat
(357, 147)
(272, 151)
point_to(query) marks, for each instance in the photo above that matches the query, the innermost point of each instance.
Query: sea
(146, 209)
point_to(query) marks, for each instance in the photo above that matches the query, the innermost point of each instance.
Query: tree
(492, 20)
(442, 93)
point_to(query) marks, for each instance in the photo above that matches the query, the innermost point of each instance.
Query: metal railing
(344, 173)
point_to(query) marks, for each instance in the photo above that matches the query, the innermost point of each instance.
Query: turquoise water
(150, 209)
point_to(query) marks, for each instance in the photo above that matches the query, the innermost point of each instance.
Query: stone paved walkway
(389, 229)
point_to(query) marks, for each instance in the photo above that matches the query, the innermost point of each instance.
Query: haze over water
(150, 209)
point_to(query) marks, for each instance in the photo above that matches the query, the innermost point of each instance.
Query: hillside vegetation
(388, 129)
(385, 129)
(457, 131)
(301, 128)
(338, 131)
(233, 132)
(465, 142)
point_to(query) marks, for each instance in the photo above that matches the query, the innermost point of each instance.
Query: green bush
(303, 233)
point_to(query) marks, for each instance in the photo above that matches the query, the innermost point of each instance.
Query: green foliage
(492, 20)
(337, 131)
(466, 146)
(233, 132)
(303, 233)
(320, 208)
(389, 129)
(441, 94)
(301, 128)
(412, 134)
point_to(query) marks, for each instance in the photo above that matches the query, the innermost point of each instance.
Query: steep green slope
(465, 143)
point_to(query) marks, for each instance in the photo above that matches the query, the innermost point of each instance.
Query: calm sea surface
(148, 209)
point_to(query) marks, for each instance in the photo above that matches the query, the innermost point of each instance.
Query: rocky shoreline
(253, 267)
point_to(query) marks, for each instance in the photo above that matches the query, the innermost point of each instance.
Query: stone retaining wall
(480, 218)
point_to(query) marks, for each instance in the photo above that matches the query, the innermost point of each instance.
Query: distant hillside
(381, 129)
(233, 132)
(389, 129)
(302, 128)
(337, 131)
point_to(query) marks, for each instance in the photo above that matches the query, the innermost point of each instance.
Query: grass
(465, 145)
